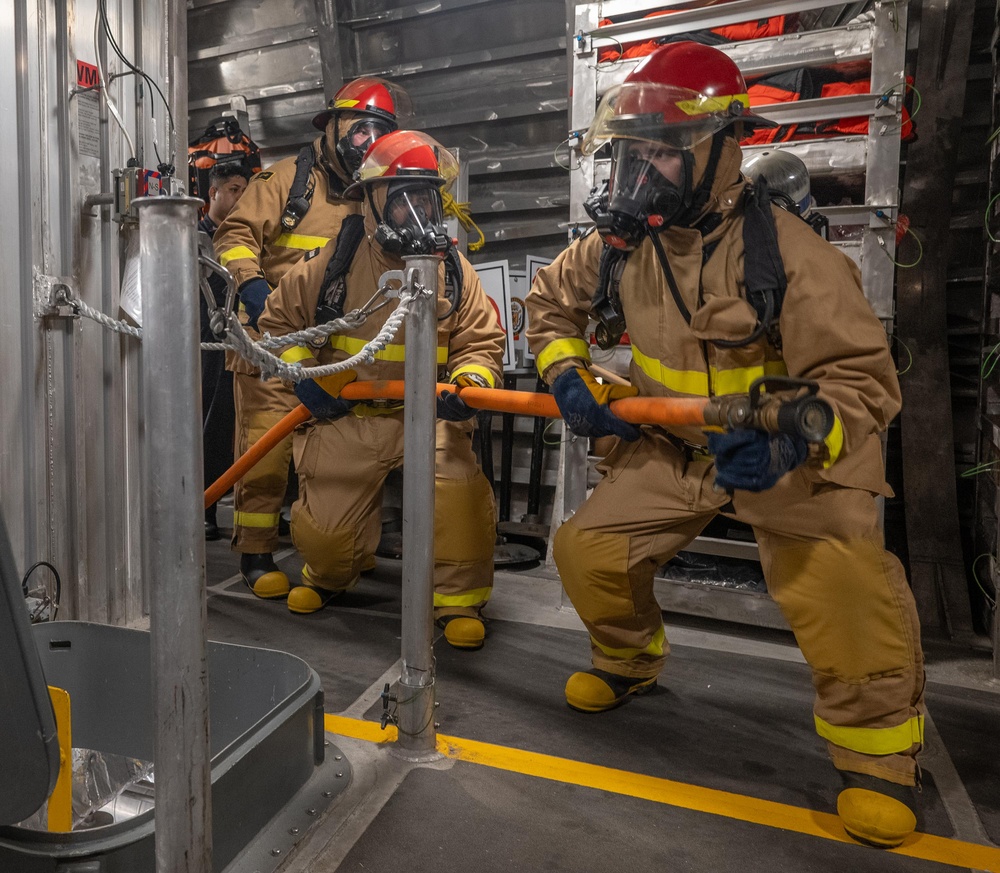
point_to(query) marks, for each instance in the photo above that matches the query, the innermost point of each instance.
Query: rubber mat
(521, 823)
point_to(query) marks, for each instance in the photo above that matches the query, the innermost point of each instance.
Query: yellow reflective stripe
(237, 253)
(475, 597)
(703, 103)
(739, 380)
(874, 741)
(560, 349)
(298, 241)
(654, 648)
(834, 442)
(294, 354)
(256, 519)
(734, 381)
(475, 370)
(392, 352)
(682, 381)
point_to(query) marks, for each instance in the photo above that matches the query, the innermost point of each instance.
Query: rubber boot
(463, 632)
(308, 597)
(263, 577)
(599, 691)
(876, 812)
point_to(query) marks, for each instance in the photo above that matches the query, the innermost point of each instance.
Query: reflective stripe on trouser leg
(260, 493)
(464, 537)
(649, 504)
(616, 605)
(464, 524)
(855, 620)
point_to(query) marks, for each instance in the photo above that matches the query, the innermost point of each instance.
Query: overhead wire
(103, 92)
(102, 9)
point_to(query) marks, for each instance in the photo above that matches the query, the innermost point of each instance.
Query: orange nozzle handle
(664, 411)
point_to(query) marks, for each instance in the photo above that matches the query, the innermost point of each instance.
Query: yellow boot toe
(599, 691)
(463, 632)
(875, 818)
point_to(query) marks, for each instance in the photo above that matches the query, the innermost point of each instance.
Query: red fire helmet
(370, 96)
(681, 94)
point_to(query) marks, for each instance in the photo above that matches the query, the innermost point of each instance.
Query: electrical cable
(103, 90)
(989, 599)
(102, 8)
(44, 600)
(909, 354)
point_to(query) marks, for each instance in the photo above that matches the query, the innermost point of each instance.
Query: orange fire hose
(662, 411)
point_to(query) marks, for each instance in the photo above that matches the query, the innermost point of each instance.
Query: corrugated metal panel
(488, 78)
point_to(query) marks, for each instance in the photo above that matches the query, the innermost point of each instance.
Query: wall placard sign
(495, 277)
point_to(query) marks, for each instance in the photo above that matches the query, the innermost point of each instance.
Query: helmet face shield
(668, 114)
(414, 209)
(358, 137)
(650, 186)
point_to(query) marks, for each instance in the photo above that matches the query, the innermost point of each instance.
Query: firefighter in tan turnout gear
(677, 213)
(288, 214)
(344, 456)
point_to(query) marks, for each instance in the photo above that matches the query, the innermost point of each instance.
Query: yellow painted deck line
(784, 816)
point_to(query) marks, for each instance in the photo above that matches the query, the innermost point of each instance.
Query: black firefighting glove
(321, 396)
(253, 296)
(583, 403)
(751, 460)
(450, 406)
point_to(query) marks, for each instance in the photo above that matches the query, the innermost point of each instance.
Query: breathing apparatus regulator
(402, 176)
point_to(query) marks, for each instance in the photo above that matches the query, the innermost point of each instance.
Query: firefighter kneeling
(706, 317)
(344, 456)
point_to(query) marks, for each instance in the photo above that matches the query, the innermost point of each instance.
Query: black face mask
(351, 147)
(413, 223)
(638, 197)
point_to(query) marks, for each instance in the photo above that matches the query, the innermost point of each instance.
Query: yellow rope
(461, 211)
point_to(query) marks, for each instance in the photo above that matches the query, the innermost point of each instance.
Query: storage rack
(864, 228)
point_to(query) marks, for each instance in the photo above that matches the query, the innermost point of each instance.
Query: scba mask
(359, 136)
(413, 220)
(650, 187)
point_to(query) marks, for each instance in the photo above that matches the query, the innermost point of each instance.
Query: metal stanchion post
(415, 695)
(174, 561)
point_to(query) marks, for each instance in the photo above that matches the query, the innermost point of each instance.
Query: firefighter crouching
(344, 456)
(289, 213)
(676, 213)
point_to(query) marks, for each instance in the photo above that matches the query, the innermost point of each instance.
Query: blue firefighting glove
(583, 403)
(450, 406)
(752, 460)
(321, 396)
(253, 296)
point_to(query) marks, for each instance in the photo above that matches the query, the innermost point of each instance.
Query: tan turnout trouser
(259, 494)
(342, 466)
(846, 598)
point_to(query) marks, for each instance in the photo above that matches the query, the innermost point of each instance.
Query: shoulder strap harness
(300, 194)
(764, 276)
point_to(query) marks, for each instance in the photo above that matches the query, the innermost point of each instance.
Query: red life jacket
(757, 29)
